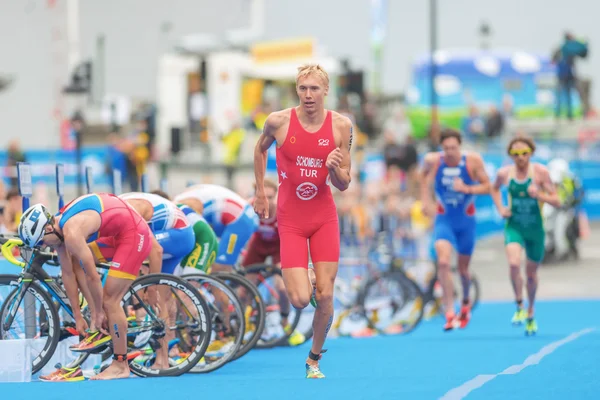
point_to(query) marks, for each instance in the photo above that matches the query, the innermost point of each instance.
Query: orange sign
(283, 50)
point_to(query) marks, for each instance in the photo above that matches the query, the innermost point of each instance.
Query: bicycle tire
(261, 320)
(267, 271)
(203, 313)
(51, 313)
(406, 284)
(237, 304)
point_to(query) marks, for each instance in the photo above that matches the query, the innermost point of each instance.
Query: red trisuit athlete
(313, 150)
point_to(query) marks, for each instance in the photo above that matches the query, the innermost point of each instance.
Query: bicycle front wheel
(28, 312)
(267, 279)
(254, 309)
(392, 303)
(227, 321)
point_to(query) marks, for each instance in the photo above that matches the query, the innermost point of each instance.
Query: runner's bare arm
(155, 257)
(498, 183)
(548, 193)
(479, 174)
(427, 175)
(69, 279)
(341, 178)
(75, 231)
(265, 140)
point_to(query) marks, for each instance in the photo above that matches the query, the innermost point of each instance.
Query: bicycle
(229, 333)
(34, 280)
(252, 303)
(274, 334)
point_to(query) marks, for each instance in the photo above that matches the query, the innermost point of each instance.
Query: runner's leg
(131, 251)
(532, 285)
(294, 263)
(114, 290)
(534, 249)
(443, 238)
(325, 253)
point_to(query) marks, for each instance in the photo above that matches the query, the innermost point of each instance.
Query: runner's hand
(533, 191)
(261, 206)
(460, 186)
(505, 212)
(81, 326)
(428, 209)
(334, 159)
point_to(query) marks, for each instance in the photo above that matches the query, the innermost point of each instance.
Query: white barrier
(15, 362)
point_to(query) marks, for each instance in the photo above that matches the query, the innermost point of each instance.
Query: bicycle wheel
(20, 318)
(194, 308)
(391, 303)
(254, 309)
(227, 332)
(475, 290)
(274, 334)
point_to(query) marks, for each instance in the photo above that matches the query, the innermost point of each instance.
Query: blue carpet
(424, 365)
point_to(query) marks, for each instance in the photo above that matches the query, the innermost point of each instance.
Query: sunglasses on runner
(517, 153)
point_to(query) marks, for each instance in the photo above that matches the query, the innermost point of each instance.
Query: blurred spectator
(12, 210)
(366, 121)
(473, 125)
(399, 156)
(136, 148)
(259, 117)
(14, 156)
(494, 124)
(565, 70)
(232, 142)
(507, 106)
(397, 126)
(3, 228)
(116, 159)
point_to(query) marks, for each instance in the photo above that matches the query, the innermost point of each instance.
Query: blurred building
(33, 41)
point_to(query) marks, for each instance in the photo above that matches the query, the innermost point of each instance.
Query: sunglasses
(523, 152)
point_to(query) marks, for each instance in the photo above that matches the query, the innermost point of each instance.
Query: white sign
(60, 179)
(89, 179)
(117, 182)
(24, 175)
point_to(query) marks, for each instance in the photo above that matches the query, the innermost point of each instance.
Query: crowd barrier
(584, 161)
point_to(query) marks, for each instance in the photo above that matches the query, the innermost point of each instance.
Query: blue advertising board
(43, 165)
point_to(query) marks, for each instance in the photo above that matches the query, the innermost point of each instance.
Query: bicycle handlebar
(7, 248)
(8, 243)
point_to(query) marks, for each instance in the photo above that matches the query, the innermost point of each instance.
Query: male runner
(85, 219)
(265, 243)
(454, 175)
(529, 186)
(313, 148)
(229, 215)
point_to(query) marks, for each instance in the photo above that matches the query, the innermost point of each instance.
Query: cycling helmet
(558, 169)
(33, 223)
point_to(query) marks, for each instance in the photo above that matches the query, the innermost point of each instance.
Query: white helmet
(33, 223)
(558, 169)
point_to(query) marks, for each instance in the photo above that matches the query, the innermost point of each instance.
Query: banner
(283, 50)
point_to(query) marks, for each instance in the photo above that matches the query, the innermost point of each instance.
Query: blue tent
(486, 77)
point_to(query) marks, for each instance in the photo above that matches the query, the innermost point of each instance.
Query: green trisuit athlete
(529, 186)
(205, 251)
